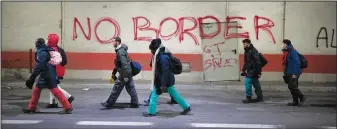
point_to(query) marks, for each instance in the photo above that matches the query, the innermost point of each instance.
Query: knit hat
(155, 43)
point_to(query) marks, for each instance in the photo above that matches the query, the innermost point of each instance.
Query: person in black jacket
(47, 79)
(163, 80)
(252, 70)
(123, 67)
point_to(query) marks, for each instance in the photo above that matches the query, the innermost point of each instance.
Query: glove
(113, 77)
(243, 73)
(30, 83)
(158, 92)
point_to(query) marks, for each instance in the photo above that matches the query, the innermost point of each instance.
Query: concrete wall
(91, 54)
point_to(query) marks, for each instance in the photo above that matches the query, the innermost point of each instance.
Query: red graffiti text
(114, 24)
(181, 30)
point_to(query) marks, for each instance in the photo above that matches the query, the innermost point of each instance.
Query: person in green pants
(163, 80)
(252, 70)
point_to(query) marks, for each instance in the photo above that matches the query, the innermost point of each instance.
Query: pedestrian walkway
(151, 124)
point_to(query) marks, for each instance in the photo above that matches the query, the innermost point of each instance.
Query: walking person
(163, 80)
(60, 70)
(123, 67)
(292, 72)
(47, 79)
(252, 72)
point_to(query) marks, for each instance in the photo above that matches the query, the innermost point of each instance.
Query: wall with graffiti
(87, 28)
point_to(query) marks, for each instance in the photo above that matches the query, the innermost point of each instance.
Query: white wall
(22, 24)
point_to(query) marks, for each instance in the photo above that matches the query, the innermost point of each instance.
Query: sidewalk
(144, 84)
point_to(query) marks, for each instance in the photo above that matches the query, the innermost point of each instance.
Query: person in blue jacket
(163, 79)
(47, 79)
(292, 72)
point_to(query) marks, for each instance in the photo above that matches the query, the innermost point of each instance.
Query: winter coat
(252, 62)
(122, 61)
(164, 77)
(47, 71)
(293, 62)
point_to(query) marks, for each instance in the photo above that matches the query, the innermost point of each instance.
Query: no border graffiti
(180, 29)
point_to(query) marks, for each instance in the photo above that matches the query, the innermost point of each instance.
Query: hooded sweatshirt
(52, 42)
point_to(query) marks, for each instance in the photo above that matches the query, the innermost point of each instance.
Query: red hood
(53, 40)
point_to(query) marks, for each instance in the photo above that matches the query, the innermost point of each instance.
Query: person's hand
(294, 76)
(113, 77)
(259, 75)
(158, 92)
(243, 73)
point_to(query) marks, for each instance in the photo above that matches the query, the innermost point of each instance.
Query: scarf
(284, 59)
(154, 66)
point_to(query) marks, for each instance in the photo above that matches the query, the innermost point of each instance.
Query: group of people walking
(293, 63)
(163, 80)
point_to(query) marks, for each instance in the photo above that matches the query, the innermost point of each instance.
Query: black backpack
(263, 60)
(303, 60)
(175, 65)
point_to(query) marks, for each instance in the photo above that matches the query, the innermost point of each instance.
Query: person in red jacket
(60, 70)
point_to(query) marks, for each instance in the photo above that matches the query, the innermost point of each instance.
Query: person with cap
(123, 67)
(163, 80)
(292, 72)
(252, 72)
(60, 70)
(47, 79)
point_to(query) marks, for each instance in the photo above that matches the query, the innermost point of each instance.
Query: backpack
(303, 60)
(263, 60)
(55, 58)
(136, 68)
(176, 65)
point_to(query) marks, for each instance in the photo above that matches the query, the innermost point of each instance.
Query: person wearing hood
(163, 79)
(252, 71)
(60, 70)
(292, 72)
(47, 79)
(123, 67)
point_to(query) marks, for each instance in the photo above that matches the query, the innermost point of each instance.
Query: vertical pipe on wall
(284, 20)
(62, 24)
(30, 60)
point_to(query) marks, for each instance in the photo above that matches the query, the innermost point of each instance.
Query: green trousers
(173, 92)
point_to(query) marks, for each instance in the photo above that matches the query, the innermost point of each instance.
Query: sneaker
(186, 111)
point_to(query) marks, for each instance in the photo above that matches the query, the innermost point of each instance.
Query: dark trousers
(117, 89)
(293, 86)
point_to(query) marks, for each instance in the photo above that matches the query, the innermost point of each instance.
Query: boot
(134, 105)
(28, 110)
(258, 99)
(186, 111)
(247, 100)
(302, 100)
(67, 111)
(145, 114)
(295, 101)
(106, 105)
